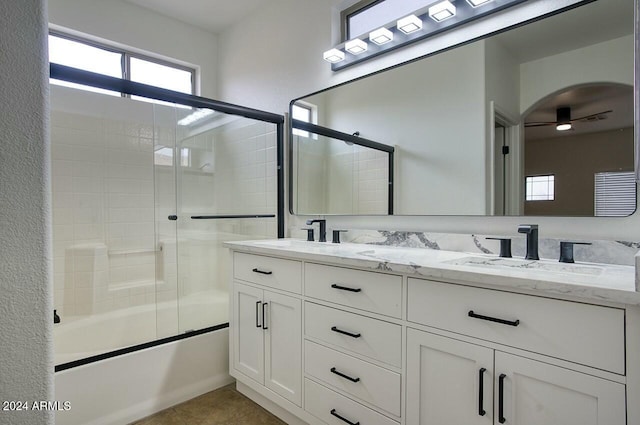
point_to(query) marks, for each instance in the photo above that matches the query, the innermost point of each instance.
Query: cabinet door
(443, 381)
(283, 346)
(248, 335)
(536, 393)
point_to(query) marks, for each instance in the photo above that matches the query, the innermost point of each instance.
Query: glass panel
(164, 148)
(166, 77)
(103, 221)
(83, 56)
(227, 167)
(336, 177)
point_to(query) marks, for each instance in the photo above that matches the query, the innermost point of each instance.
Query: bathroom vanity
(362, 334)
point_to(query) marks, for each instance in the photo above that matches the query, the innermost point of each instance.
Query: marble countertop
(592, 281)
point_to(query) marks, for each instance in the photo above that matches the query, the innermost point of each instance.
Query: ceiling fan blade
(592, 115)
(538, 124)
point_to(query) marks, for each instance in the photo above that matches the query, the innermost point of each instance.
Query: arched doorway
(574, 138)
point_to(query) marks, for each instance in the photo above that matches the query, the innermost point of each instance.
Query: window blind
(615, 194)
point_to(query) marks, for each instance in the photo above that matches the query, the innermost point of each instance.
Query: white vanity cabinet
(451, 381)
(344, 344)
(491, 386)
(267, 330)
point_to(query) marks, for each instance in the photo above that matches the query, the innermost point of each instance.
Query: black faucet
(323, 228)
(532, 240)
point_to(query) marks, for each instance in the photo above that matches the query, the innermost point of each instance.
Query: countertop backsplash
(600, 251)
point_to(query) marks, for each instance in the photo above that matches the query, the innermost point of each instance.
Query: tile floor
(224, 406)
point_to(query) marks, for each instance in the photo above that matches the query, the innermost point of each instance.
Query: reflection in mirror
(337, 175)
(475, 127)
(578, 137)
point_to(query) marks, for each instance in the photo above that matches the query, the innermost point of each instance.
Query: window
(368, 15)
(615, 194)
(540, 188)
(102, 59)
(302, 112)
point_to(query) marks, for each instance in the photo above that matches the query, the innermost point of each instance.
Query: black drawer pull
(345, 288)
(258, 325)
(481, 410)
(261, 271)
(493, 319)
(501, 417)
(340, 331)
(334, 370)
(173, 217)
(342, 418)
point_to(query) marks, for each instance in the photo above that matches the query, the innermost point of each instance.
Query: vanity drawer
(268, 271)
(330, 407)
(582, 333)
(376, 292)
(370, 337)
(375, 385)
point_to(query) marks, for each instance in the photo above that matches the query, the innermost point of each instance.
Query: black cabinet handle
(481, 410)
(258, 325)
(262, 271)
(340, 331)
(264, 321)
(501, 417)
(342, 418)
(173, 217)
(334, 370)
(493, 319)
(345, 288)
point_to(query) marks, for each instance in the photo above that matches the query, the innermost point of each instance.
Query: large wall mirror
(537, 120)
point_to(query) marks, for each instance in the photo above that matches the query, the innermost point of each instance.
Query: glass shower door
(225, 189)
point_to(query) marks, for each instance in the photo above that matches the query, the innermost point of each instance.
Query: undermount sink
(516, 263)
(281, 243)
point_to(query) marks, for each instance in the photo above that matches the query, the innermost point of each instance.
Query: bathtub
(119, 390)
(79, 337)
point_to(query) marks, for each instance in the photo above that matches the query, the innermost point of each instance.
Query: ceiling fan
(564, 121)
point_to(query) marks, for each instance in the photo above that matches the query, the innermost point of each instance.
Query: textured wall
(26, 368)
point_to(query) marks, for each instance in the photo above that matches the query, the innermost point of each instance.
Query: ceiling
(571, 30)
(583, 101)
(210, 15)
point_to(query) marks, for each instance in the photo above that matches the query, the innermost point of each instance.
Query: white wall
(438, 128)
(143, 29)
(274, 56)
(26, 361)
(607, 62)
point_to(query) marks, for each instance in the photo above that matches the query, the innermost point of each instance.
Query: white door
(248, 333)
(283, 346)
(535, 393)
(443, 381)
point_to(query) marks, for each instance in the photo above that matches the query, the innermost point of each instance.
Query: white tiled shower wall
(103, 202)
(113, 245)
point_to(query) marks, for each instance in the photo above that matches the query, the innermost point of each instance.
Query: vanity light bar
(381, 36)
(439, 16)
(441, 11)
(409, 24)
(476, 3)
(356, 46)
(333, 55)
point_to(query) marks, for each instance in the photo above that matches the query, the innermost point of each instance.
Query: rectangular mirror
(537, 120)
